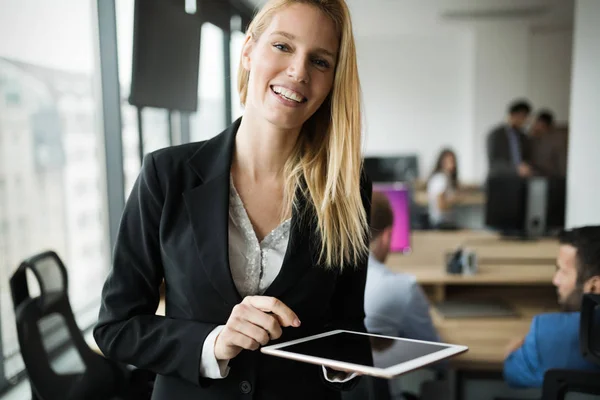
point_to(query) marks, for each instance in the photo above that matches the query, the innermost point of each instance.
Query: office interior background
(434, 74)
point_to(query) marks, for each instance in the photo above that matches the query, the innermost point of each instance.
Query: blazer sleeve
(526, 148)
(348, 299)
(128, 329)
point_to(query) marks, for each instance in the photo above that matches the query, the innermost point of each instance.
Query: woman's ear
(247, 52)
(592, 285)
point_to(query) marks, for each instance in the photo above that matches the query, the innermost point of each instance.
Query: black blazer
(175, 226)
(499, 154)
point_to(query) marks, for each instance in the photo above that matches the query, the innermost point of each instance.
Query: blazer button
(245, 387)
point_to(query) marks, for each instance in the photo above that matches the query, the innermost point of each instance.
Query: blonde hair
(326, 162)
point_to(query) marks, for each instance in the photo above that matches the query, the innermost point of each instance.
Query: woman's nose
(298, 71)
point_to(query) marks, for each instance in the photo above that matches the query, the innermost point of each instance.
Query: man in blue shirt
(553, 339)
(395, 304)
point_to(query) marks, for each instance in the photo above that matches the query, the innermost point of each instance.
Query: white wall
(416, 93)
(583, 190)
(450, 86)
(550, 60)
(501, 75)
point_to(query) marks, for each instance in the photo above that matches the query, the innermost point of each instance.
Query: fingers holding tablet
(253, 323)
(283, 313)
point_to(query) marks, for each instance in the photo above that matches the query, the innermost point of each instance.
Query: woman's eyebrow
(292, 37)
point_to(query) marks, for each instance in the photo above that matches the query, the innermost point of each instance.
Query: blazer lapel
(208, 209)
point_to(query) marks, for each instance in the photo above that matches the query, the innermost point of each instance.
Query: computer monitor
(390, 169)
(506, 199)
(523, 207)
(399, 198)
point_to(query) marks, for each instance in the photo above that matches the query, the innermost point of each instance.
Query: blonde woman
(259, 233)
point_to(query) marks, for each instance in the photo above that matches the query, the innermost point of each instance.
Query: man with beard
(553, 339)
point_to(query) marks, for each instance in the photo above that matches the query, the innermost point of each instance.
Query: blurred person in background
(508, 147)
(548, 152)
(441, 191)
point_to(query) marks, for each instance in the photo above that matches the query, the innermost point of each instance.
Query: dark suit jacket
(175, 226)
(499, 154)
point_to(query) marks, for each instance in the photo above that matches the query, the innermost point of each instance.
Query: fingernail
(296, 322)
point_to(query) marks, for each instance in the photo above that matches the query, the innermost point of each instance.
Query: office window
(154, 121)
(209, 120)
(237, 42)
(51, 110)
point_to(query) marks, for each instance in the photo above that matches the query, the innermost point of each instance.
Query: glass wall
(209, 120)
(154, 121)
(237, 41)
(52, 194)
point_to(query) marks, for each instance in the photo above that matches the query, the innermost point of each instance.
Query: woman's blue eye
(321, 63)
(281, 47)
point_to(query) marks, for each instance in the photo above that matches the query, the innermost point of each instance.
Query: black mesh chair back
(589, 334)
(47, 319)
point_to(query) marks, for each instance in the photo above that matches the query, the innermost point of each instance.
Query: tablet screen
(386, 351)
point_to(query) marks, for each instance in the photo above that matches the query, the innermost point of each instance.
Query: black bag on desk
(462, 261)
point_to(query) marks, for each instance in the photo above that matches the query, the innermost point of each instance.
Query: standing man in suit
(553, 339)
(508, 147)
(548, 152)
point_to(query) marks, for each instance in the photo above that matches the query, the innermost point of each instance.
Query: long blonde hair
(326, 162)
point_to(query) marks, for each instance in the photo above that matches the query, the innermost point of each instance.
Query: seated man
(553, 339)
(395, 304)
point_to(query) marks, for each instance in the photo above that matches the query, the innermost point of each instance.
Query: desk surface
(500, 261)
(501, 274)
(464, 197)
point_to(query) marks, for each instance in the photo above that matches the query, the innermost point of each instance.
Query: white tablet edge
(389, 372)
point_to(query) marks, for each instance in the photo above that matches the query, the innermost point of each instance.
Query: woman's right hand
(253, 323)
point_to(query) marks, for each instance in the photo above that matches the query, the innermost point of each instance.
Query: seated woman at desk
(441, 191)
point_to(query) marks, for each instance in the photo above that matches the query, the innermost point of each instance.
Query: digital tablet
(341, 350)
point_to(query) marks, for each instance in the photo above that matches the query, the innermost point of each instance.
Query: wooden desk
(429, 248)
(464, 197)
(519, 273)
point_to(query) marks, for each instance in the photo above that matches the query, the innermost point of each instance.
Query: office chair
(36, 320)
(559, 382)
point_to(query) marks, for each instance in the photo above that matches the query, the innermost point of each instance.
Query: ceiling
(402, 16)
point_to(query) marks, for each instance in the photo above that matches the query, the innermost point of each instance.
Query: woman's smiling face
(291, 66)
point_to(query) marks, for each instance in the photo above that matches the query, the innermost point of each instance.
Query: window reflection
(209, 120)
(49, 142)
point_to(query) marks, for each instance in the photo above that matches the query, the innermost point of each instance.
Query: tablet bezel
(390, 372)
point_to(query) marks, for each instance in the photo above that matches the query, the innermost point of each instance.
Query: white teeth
(288, 94)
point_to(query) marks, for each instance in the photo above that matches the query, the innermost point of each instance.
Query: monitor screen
(391, 169)
(399, 198)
